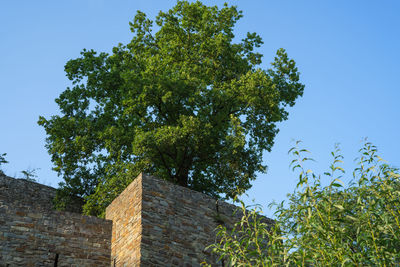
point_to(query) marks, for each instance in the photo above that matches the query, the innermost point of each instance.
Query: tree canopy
(182, 101)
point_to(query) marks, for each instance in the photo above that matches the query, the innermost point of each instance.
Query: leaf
(351, 218)
(339, 206)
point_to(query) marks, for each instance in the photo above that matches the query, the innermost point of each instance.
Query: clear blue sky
(347, 52)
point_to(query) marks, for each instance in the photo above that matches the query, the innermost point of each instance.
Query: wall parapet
(33, 234)
(151, 223)
(172, 224)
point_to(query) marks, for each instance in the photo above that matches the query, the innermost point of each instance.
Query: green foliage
(248, 242)
(2, 161)
(184, 103)
(330, 225)
(29, 174)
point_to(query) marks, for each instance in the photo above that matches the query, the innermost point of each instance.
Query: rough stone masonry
(33, 234)
(151, 223)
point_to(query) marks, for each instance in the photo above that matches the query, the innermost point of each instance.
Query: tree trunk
(183, 177)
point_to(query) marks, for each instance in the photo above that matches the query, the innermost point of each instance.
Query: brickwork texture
(151, 223)
(156, 223)
(33, 234)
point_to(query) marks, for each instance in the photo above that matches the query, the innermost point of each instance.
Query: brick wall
(33, 234)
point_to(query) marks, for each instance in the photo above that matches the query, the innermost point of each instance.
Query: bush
(323, 225)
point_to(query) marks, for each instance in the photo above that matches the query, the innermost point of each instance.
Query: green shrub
(324, 225)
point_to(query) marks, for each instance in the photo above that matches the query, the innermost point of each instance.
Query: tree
(30, 174)
(185, 103)
(332, 225)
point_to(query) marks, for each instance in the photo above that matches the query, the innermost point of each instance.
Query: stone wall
(171, 225)
(154, 223)
(33, 234)
(125, 212)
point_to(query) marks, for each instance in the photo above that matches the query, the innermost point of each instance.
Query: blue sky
(347, 53)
